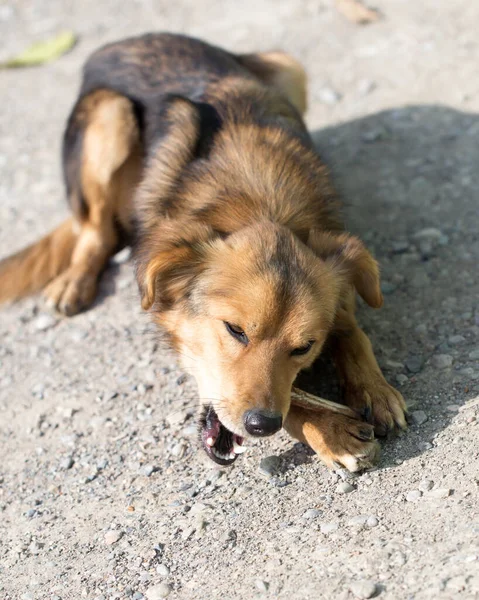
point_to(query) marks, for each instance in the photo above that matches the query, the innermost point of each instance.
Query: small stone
(178, 450)
(162, 570)
(474, 355)
(401, 379)
(454, 340)
(312, 513)
(148, 470)
(413, 496)
(44, 322)
(425, 485)
(372, 521)
(442, 361)
(421, 329)
(261, 585)
(182, 379)
(138, 596)
(38, 390)
(329, 96)
(329, 527)
(440, 493)
(366, 86)
(419, 417)
(400, 246)
(414, 364)
(157, 592)
(387, 287)
(358, 521)
(66, 463)
(429, 233)
(363, 589)
(111, 537)
(270, 465)
(425, 445)
(345, 488)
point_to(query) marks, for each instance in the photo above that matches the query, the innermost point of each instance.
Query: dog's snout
(261, 423)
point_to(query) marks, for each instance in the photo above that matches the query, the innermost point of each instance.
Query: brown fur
(235, 220)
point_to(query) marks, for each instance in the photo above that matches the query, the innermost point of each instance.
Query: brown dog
(241, 256)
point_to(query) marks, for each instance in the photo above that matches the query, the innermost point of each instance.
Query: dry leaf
(356, 12)
(43, 52)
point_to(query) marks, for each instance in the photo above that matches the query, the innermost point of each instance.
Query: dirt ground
(104, 492)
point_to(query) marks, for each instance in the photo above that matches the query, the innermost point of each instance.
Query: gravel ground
(103, 491)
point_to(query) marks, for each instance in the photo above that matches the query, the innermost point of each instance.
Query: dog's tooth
(231, 456)
(210, 442)
(238, 449)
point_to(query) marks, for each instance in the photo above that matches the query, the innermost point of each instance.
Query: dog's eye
(302, 349)
(237, 333)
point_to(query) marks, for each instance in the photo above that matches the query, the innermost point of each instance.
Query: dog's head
(246, 306)
(247, 313)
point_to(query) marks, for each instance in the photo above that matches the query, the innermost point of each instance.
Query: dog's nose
(262, 422)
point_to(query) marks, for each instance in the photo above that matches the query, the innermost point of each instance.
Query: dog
(201, 160)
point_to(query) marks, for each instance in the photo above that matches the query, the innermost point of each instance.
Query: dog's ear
(347, 255)
(168, 262)
(167, 277)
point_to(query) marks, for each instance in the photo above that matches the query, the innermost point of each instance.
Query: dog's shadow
(409, 179)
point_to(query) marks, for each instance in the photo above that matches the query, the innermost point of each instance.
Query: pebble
(442, 361)
(372, 521)
(329, 96)
(401, 379)
(66, 463)
(474, 355)
(162, 590)
(138, 596)
(363, 589)
(366, 86)
(270, 465)
(400, 246)
(312, 513)
(162, 570)
(456, 339)
(429, 233)
(329, 527)
(413, 495)
(387, 287)
(425, 485)
(38, 390)
(359, 520)
(178, 450)
(345, 488)
(111, 537)
(419, 417)
(44, 322)
(148, 470)
(261, 585)
(414, 364)
(440, 493)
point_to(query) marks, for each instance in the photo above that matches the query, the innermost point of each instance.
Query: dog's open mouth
(220, 444)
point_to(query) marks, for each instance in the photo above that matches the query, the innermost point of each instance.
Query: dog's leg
(110, 138)
(364, 386)
(333, 431)
(282, 72)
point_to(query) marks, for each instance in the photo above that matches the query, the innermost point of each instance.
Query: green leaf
(43, 52)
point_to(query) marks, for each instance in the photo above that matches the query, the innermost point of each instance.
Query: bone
(315, 403)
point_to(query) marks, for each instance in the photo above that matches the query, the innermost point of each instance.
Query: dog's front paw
(336, 438)
(71, 292)
(379, 403)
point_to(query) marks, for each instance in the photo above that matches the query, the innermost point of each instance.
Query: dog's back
(127, 102)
